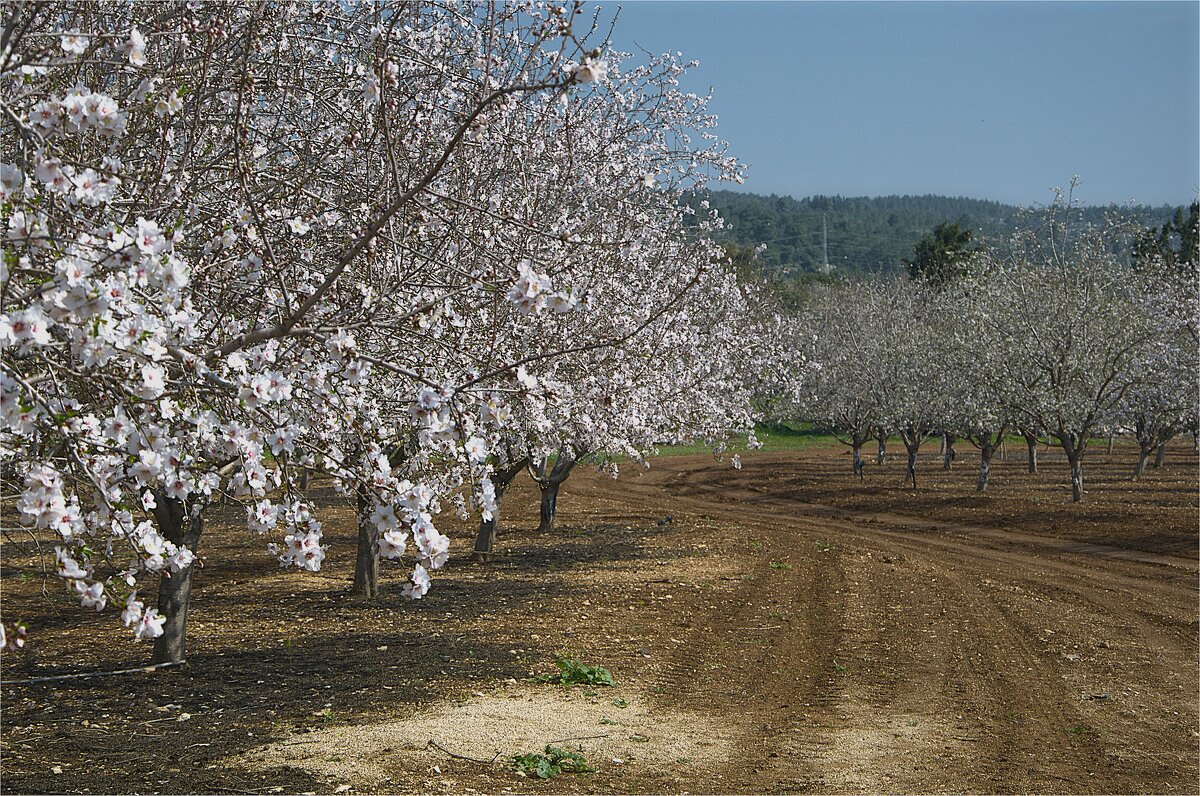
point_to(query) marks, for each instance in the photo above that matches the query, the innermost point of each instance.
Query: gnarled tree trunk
(549, 481)
(1031, 442)
(485, 539)
(181, 524)
(985, 467)
(366, 564)
(912, 439)
(549, 506)
(1074, 449)
(949, 454)
(1160, 456)
(881, 452)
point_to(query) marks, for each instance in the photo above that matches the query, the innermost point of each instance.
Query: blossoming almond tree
(202, 198)
(1068, 312)
(839, 330)
(1164, 403)
(578, 223)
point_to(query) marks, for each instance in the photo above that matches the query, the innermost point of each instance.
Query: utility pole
(825, 269)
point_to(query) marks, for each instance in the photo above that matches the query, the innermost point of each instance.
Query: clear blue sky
(991, 100)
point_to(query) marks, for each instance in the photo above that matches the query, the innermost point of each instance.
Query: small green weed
(824, 547)
(552, 762)
(781, 565)
(620, 703)
(837, 667)
(572, 671)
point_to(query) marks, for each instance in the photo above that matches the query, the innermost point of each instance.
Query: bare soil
(779, 628)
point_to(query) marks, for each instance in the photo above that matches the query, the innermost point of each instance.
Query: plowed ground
(779, 628)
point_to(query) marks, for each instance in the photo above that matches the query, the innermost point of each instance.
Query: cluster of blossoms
(195, 305)
(533, 292)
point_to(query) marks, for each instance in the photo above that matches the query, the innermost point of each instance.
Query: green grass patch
(773, 436)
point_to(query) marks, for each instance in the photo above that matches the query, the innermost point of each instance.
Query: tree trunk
(985, 467)
(1003, 452)
(549, 482)
(1143, 457)
(1031, 444)
(303, 478)
(1112, 435)
(858, 462)
(911, 472)
(949, 454)
(882, 452)
(1160, 456)
(485, 539)
(549, 506)
(175, 589)
(1075, 457)
(366, 565)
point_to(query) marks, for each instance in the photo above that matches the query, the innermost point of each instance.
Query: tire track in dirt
(936, 659)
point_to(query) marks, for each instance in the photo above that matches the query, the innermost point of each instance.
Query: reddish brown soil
(837, 636)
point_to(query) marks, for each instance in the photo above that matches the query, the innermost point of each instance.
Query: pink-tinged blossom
(529, 292)
(26, 329)
(282, 441)
(384, 518)
(476, 449)
(298, 226)
(91, 596)
(12, 181)
(303, 550)
(263, 517)
(418, 583)
(153, 383)
(433, 545)
(371, 90)
(181, 558)
(133, 610)
(68, 567)
(149, 237)
(392, 543)
(150, 626)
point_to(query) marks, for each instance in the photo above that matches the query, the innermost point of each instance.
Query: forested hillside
(864, 233)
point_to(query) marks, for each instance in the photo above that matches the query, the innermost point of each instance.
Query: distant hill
(869, 234)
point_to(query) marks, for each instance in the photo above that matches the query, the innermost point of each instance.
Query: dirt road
(892, 653)
(763, 641)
